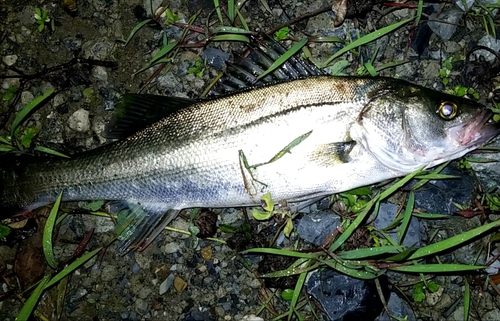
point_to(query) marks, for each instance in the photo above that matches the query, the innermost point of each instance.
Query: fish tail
(9, 192)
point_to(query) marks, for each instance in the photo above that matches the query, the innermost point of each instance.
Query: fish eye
(447, 110)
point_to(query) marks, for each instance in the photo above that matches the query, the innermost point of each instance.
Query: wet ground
(81, 54)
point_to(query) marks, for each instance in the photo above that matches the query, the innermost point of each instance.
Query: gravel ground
(174, 279)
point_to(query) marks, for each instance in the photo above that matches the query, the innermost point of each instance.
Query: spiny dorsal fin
(137, 111)
(243, 72)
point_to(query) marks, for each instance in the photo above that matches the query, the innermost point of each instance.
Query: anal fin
(144, 224)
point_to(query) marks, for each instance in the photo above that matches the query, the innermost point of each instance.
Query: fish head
(406, 127)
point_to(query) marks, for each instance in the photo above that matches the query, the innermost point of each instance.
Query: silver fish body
(298, 140)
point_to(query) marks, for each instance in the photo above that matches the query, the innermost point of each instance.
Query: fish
(296, 133)
(298, 140)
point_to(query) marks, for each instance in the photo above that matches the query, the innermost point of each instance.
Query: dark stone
(439, 196)
(314, 228)
(386, 215)
(346, 298)
(215, 58)
(398, 308)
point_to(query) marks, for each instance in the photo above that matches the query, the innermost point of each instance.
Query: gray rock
(488, 174)
(489, 42)
(493, 315)
(26, 97)
(398, 308)
(468, 4)
(445, 25)
(171, 247)
(97, 49)
(72, 44)
(79, 121)
(314, 228)
(100, 73)
(10, 60)
(148, 4)
(167, 284)
(108, 273)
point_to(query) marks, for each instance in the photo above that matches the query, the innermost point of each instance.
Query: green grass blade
(480, 160)
(395, 223)
(73, 266)
(242, 19)
(402, 256)
(50, 151)
(236, 30)
(371, 70)
(61, 295)
(231, 10)
(432, 216)
(266, 5)
(366, 39)
(157, 58)
(48, 250)
(7, 148)
(402, 182)
(355, 273)
(5, 140)
(219, 12)
(406, 218)
(230, 37)
(466, 300)
(281, 60)
(432, 176)
(23, 114)
(392, 64)
(424, 181)
(360, 218)
(453, 241)
(283, 252)
(296, 294)
(327, 39)
(368, 252)
(436, 268)
(30, 304)
(290, 271)
(134, 31)
(419, 12)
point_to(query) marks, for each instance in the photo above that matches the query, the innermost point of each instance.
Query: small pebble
(206, 253)
(9, 60)
(166, 284)
(179, 284)
(79, 121)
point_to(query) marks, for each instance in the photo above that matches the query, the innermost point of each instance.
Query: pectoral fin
(333, 153)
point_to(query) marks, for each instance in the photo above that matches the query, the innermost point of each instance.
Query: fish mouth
(475, 132)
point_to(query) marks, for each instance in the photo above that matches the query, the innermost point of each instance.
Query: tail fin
(9, 192)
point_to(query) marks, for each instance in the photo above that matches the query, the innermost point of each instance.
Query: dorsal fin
(137, 111)
(261, 54)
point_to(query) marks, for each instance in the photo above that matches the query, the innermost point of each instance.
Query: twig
(300, 18)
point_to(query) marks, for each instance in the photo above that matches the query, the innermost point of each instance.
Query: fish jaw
(475, 132)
